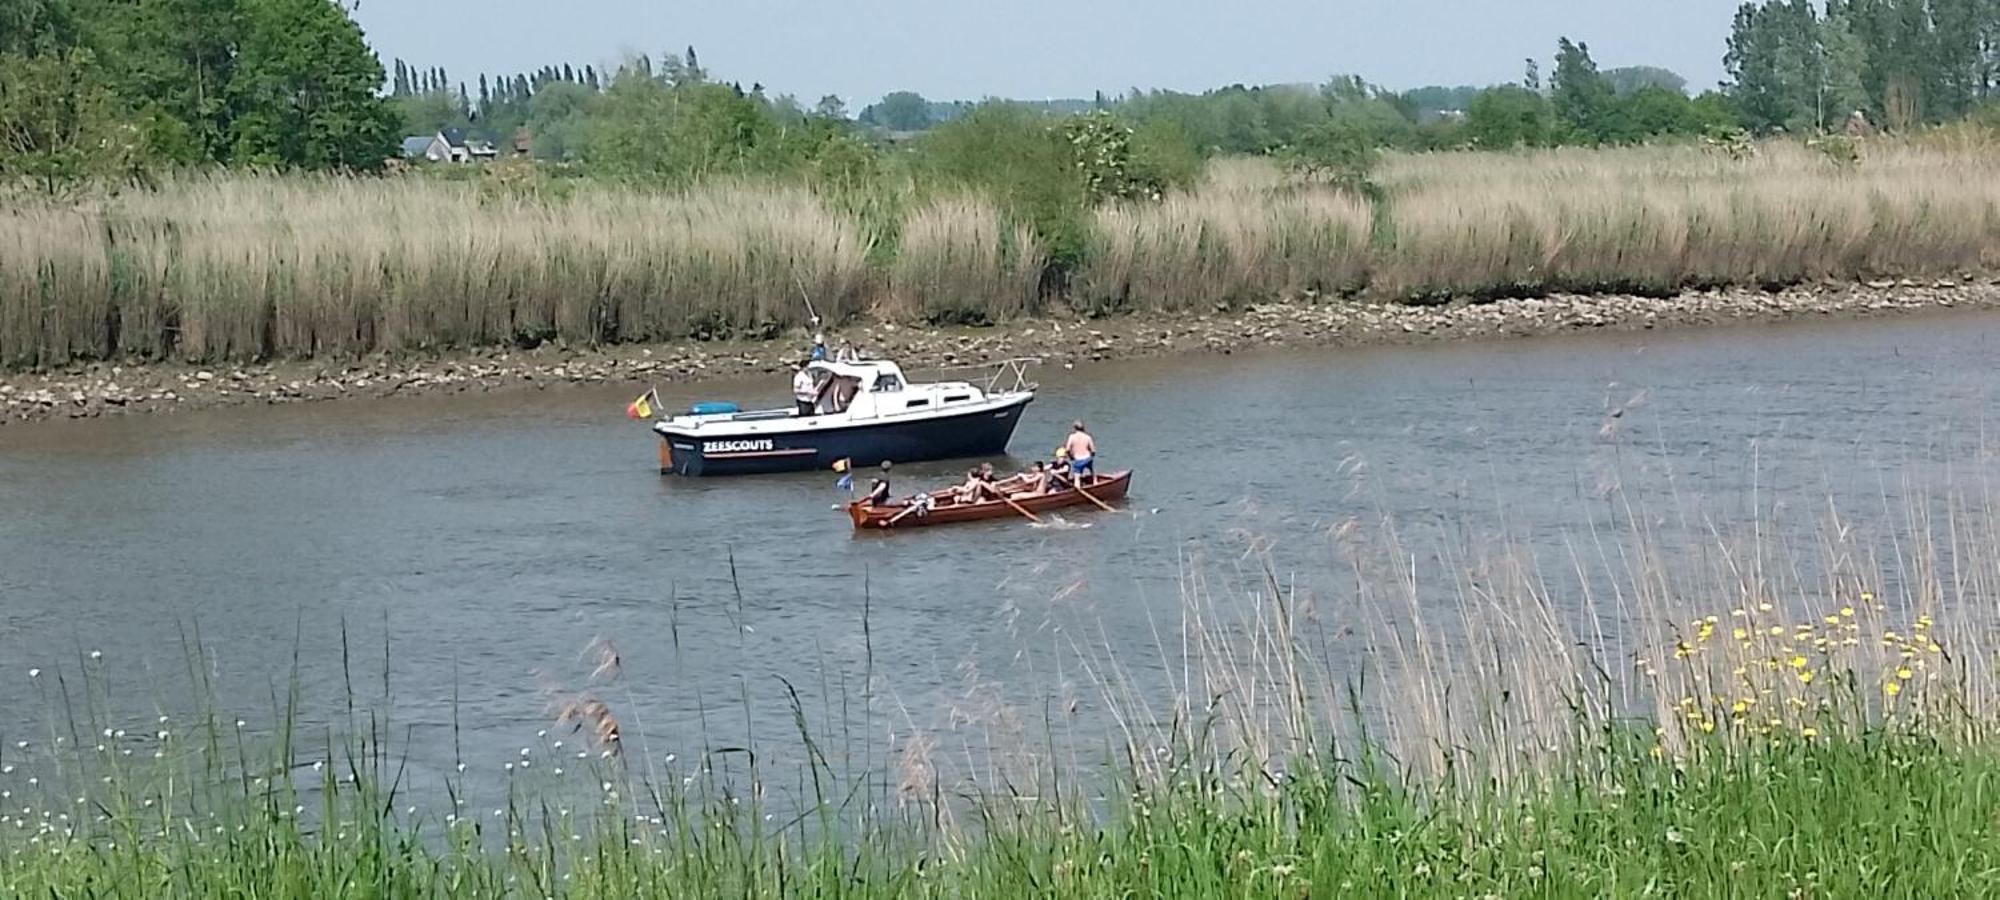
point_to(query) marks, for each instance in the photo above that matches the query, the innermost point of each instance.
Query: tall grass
(234, 267)
(1662, 218)
(1226, 242)
(1667, 701)
(244, 267)
(960, 260)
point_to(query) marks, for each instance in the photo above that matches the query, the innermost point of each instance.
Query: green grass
(1883, 813)
(1704, 711)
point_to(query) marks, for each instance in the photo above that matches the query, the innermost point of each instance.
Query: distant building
(448, 145)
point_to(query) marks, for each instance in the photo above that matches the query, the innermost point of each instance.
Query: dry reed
(245, 267)
(1663, 218)
(233, 267)
(960, 260)
(1237, 239)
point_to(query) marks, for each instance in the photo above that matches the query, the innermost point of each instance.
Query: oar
(1078, 484)
(899, 516)
(1021, 509)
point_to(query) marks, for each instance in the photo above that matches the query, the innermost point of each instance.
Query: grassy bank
(1795, 704)
(248, 267)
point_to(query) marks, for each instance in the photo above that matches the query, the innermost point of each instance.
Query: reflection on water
(488, 540)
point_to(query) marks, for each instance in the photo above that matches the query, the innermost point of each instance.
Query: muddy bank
(83, 391)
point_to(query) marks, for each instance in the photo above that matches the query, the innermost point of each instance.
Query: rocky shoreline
(98, 389)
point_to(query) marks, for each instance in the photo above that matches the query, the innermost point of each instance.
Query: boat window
(889, 382)
(836, 394)
(916, 403)
(957, 397)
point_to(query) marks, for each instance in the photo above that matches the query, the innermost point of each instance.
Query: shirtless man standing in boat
(1081, 449)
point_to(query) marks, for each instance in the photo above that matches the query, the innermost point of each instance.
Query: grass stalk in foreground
(1827, 731)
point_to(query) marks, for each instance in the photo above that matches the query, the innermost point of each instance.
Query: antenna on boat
(813, 313)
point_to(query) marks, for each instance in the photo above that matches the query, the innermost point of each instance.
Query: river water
(488, 540)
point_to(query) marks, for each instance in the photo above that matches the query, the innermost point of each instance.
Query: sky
(1031, 49)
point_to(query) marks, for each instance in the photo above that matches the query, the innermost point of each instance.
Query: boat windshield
(888, 381)
(837, 395)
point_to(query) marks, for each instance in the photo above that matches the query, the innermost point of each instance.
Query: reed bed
(1664, 218)
(241, 267)
(1232, 241)
(960, 260)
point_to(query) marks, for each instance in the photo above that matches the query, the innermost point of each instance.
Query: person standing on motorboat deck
(819, 346)
(846, 353)
(804, 392)
(1082, 450)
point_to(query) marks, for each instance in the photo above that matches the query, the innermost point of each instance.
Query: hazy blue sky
(861, 49)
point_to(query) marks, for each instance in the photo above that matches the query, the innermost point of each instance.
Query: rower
(1033, 481)
(878, 492)
(1056, 475)
(1082, 450)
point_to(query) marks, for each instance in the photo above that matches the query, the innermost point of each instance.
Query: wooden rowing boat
(1104, 489)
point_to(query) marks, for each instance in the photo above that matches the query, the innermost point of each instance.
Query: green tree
(559, 118)
(646, 128)
(1629, 79)
(901, 111)
(1338, 152)
(1508, 116)
(307, 90)
(1022, 161)
(171, 62)
(28, 27)
(1752, 61)
(1580, 97)
(60, 122)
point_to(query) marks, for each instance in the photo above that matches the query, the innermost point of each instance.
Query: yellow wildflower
(1904, 674)
(1806, 677)
(1808, 732)
(1847, 612)
(1798, 662)
(1935, 648)
(1742, 706)
(1892, 688)
(1739, 634)
(1708, 726)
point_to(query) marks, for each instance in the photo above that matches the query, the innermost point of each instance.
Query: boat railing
(1004, 376)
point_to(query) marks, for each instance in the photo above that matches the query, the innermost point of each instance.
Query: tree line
(96, 88)
(109, 88)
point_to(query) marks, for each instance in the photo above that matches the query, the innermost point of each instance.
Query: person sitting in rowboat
(1055, 477)
(878, 492)
(1029, 483)
(977, 487)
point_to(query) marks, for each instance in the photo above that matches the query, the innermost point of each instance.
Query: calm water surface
(488, 539)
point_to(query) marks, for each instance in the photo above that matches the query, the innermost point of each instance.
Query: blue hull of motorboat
(981, 433)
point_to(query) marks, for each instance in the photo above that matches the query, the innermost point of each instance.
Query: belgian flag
(642, 408)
